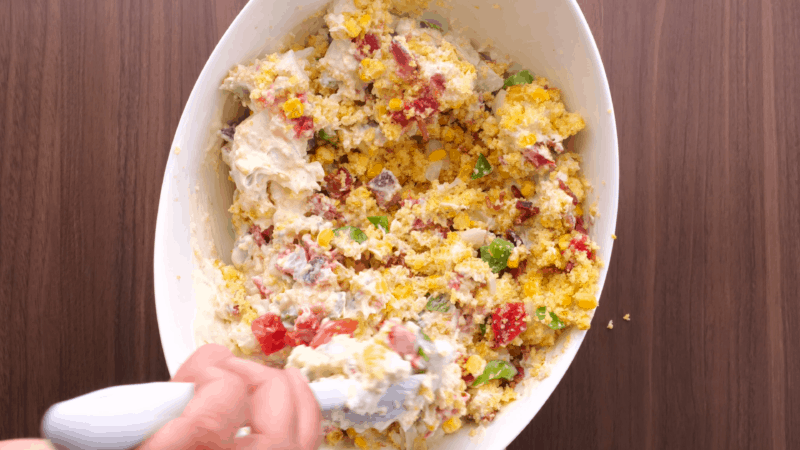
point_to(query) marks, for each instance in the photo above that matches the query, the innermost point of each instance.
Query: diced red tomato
(581, 244)
(305, 328)
(302, 124)
(508, 321)
(402, 340)
(331, 329)
(269, 332)
(403, 60)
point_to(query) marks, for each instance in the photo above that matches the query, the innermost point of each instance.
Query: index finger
(194, 369)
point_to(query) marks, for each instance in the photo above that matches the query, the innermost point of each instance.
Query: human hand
(231, 393)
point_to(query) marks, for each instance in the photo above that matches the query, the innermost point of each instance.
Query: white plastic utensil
(122, 417)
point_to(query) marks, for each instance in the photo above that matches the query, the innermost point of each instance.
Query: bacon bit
(302, 124)
(367, 45)
(255, 230)
(579, 225)
(261, 237)
(527, 210)
(570, 147)
(491, 205)
(569, 192)
(418, 224)
(519, 376)
(397, 260)
(581, 244)
(324, 206)
(519, 270)
(261, 288)
(513, 237)
(568, 268)
(538, 160)
(403, 60)
(400, 118)
(468, 378)
(489, 417)
(550, 270)
(423, 130)
(235, 312)
(438, 82)
(339, 183)
(360, 265)
(516, 192)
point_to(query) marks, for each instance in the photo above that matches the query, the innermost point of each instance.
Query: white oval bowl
(548, 37)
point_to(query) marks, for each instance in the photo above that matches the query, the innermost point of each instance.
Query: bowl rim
(161, 282)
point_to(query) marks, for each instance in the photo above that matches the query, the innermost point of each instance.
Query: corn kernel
(451, 425)
(563, 241)
(351, 433)
(395, 104)
(375, 170)
(437, 155)
(614, 236)
(528, 189)
(353, 29)
(475, 365)
(371, 69)
(293, 108)
(325, 237)
(527, 140)
(364, 20)
(530, 288)
(540, 95)
(513, 261)
(461, 221)
(578, 211)
(361, 442)
(334, 437)
(586, 301)
(381, 287)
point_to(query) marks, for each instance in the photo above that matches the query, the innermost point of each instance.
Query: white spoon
(122, 417)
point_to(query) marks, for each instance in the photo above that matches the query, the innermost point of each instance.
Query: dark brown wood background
(707, 261)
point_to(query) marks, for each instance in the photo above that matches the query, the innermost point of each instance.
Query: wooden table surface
(707, 261)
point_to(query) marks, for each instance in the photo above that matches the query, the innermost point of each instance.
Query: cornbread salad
(405, 205)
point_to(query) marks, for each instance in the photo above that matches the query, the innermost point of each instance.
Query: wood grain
(707, 261)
